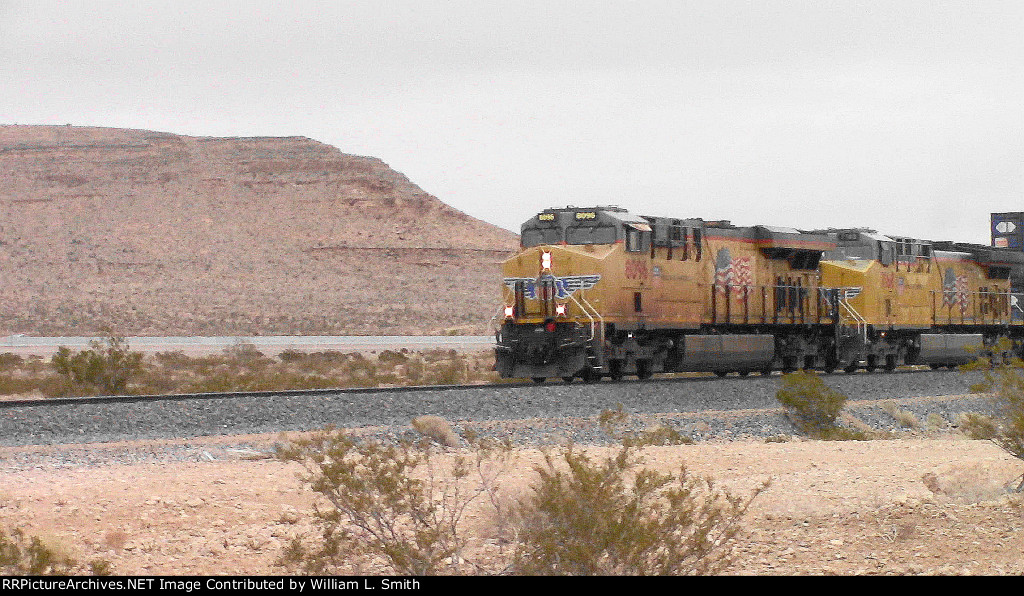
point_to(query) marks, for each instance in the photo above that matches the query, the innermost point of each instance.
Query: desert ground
(918, 505)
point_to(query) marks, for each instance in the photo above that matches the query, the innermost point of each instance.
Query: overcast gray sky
(905, 116)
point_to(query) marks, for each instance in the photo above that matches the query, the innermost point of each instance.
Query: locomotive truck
(599, 292)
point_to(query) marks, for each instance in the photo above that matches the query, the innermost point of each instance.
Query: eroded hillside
(149, 233)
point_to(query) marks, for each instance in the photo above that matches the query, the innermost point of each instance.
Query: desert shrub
(812, 405)
(246, 356)
(389, 505)
(361, 371)
(1005, 384)
(174, 358)
(842, 433)
(106, 366)
(608, 517)
(977, 426)
(333, 357)
(11, 385)
(935, 421)
(35, 365)
(660, 434)
(392, 358)
(905, 418)
(9, 360)
(245, 351)
(291, 355)
(615, 424)
(21, 554)
(415, 370)
(436, 428)
(446, 371)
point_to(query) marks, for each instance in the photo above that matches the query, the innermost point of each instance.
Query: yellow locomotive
(601, 292)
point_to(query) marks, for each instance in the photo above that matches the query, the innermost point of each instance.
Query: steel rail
(102, 399)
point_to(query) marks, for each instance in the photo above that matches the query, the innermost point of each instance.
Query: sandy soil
(909, 506)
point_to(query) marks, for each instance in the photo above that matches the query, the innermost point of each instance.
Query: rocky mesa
(151, 233)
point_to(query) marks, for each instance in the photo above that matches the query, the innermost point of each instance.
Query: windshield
(537, 236)
(587, 235)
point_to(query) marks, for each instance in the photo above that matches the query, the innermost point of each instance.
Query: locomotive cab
(549, 327)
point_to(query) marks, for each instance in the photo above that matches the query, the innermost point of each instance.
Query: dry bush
(238, 368)
(611, 518)
(246, 353)
(21, 554)
(1005, 384)
(392, 358)
(935, 421)
(436, 428)
(972, 483)
(390, 506)
(106, 367)
(10, 361)
(615, 422)
(401, 509)
(814, 407)
(905, 418)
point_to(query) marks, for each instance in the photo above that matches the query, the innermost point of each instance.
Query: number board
(546, 217)
(585, 215)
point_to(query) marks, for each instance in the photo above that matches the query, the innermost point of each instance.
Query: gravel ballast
(701, 408)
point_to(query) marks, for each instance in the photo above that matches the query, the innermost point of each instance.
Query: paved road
(270, 345)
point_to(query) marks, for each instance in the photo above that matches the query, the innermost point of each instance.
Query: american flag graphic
(733, 273)
(955, 290)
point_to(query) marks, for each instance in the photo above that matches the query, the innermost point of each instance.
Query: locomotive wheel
(890, 363)
(539, 380)
(589, 376)
(721, 373)
(568, 380)
(871, 366)
(744, 373)
(850, 369)
(766, 372)
(643, 370)
(615, 370)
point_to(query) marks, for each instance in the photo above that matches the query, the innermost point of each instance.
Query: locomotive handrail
(597, 313)
(861, 323)
(493, 321)
(588, 313)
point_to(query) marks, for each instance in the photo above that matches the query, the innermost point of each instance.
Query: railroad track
(95, 399)
(538, 413)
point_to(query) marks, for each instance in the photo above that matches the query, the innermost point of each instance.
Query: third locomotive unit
(600, 292)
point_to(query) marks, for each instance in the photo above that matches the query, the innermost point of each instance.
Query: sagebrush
(1004, 382)
(612, 517)
(111, 367)
(615, 423)
(23, 554)
(814, 407)
(106, 367)
(402, 509)
(390, 506)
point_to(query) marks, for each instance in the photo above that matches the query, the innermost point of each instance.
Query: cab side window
(633, 240)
